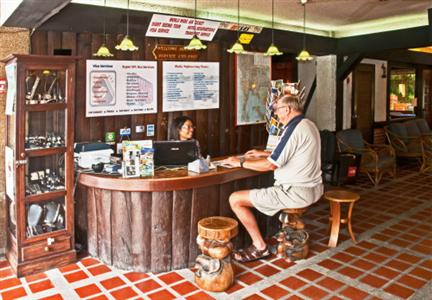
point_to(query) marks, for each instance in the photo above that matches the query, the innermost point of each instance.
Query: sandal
(250, 253)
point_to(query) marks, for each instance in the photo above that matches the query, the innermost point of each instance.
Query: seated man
(296, 162)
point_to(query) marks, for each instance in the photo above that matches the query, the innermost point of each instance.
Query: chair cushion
(423, 126)
(398, 129)
(351, 137)
(383, 162)
(412, 128)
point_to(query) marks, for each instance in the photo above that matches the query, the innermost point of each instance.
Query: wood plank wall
(215, 128)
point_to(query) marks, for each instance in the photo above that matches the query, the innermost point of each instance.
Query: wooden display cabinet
(39, 162)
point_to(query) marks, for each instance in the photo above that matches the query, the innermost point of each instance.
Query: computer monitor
(175, 153)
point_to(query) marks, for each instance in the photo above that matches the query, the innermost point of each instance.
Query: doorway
(427, 95)
(363, 100)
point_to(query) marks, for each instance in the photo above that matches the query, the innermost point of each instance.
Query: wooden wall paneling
(92, 216)
(141, 235)
(171, 117)
(54, 41)
(224, 134)
(80, 213)
(230, 109)
(121, 229)
(225, 190)
(103, 198)
(213, 55)
(39, 43)
(162, 207)
(162, 118)
(182, 206)
(69, 41)
(83, 123)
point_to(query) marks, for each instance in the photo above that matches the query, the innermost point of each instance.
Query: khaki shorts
(272, 199)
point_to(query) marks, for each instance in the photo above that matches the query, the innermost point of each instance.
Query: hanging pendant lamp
(103, 50)
(126, 44)
(195, 43)
(237, 47)
(304, 54)
(272, 49)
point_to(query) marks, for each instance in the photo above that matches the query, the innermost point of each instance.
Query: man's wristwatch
(242, 160)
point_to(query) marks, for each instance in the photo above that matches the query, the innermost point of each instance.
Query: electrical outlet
(139, 128)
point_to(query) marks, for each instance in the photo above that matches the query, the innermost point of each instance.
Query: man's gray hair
(294, 102)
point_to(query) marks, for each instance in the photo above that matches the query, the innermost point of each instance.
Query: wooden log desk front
(150, 224)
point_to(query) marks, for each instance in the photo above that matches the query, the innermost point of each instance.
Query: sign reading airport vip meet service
(116, 87)
(190, 85)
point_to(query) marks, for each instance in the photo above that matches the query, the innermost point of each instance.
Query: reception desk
(150, 224)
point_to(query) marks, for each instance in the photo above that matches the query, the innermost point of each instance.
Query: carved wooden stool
(215, 272)
(292, 238)
(336, 197)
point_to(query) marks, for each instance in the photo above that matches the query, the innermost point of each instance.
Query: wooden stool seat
(218, 228)
(336, 197)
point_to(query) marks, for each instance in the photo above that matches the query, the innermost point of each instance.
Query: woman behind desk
(182, 129)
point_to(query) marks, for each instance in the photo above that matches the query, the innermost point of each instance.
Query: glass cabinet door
(45, 86)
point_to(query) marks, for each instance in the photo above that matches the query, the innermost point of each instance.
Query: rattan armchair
(376, 159)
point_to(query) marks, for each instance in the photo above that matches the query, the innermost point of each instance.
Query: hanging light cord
(104, 23)
(304, 25)
(238, 19)
(272, 37)
(127, 19)
(195, 18)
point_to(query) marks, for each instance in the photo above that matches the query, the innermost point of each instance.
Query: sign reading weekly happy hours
(181, 28)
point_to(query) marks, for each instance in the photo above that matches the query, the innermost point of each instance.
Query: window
(402, 93)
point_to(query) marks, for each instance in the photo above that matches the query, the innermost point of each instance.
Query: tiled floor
(392, 260)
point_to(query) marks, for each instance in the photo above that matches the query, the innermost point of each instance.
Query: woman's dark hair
(177, 125)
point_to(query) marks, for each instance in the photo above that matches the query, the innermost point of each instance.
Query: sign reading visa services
(120, 87)
(190, 85)
(181, 27)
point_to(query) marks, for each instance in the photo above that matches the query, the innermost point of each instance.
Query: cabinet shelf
(45, 107)
(45, 151)
(45, 196)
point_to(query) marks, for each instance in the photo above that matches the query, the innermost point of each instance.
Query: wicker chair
(410, 141)
(376, 159)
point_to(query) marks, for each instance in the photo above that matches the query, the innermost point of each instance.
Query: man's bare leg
(241, 205)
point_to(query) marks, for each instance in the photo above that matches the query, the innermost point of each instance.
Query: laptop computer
(174, 153)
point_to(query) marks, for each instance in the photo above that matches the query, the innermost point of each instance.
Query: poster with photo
(116, 87)
(10, 172)
(190, 85)
(253, 80)
(11, 75)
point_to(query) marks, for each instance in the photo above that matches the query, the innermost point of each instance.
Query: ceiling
(333, 18)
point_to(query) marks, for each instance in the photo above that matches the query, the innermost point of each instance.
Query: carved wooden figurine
(215, 272)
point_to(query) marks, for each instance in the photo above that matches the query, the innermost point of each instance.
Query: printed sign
(190, 85)
(181, 27)
(240, 27)
(2, 86)
(116, 87)
(174, 52)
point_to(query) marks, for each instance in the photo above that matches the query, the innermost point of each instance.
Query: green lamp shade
(304, 56)
(103, 51)
(126, 45)
(237, 48)
(195, 44)
(272, 50)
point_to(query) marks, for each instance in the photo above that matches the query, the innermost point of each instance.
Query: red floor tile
(35, 277)
(282, 263)
(75, 276)
(184, 288)
(161, 295)
(41, 286)
(6, 272)
(399, 290)
(362, 264)
(8, 283)
(309, 274)
(411, 282)
(375, 257)
(373, 281)
(53, 297)
(294, 297)
(100, 297)
(330, 264)
(408, 258)
(13, 294)
(148, 285)
(135, 276)
(89, 261)
(274, 292)
(101, 269)
(170, 278)
(343, 257)
(87, 290)
(293, 283)
(4, 264)
(254, 297)
(366, 245)
(112, 283)
(234, 288)
(356, 251)
(422, 273)
(249, 278)
(267, 270)
(386, 272)
(200, 296)
(354, 293)
(69, 268)
(124, 293)
(314, 292)
(386, 251)
(397, 264)
(252, 264)
(330, 283)
(350, 272)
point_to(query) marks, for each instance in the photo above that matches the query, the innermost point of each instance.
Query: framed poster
(190, 85)
(119, 87)
(253, 82)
